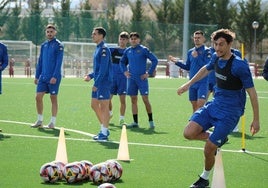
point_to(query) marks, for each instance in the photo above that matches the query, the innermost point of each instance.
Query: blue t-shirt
(137, 60)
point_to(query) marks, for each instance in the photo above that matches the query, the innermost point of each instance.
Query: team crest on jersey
(138, 51)
(103, 53)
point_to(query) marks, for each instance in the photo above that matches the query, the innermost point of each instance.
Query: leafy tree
(137, 17)
(13, 31)
(33, 26)
(250, 11)
(63, 20)
(85, 20)
(3, 12)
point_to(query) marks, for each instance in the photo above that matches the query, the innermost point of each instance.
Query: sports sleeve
(123, 62)
(59, 58)
(265, 70)
(39, 64)
(153, 59)
(4, 60)
(104, 65)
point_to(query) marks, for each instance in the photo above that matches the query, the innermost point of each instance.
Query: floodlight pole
(255, 26)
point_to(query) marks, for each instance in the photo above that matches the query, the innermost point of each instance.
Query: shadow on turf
(146, 131)
(55, 132)
(256, 157)
(249, 137)
(2, 137)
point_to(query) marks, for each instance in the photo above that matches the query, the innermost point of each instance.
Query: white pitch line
(131, 143)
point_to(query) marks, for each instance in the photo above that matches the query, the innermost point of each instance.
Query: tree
(13, 31)
(85, 20)
(3, 12)
(137, 16)
(250, 11)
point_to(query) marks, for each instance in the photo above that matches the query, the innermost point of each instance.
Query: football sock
(205, 174)
(111, 113)
(104, 130)
(121, 117)
(135, 118)
(150, 116)
(40, 117)
(53, 120)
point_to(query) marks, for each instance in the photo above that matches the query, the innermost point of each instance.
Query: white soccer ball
(60, 166)
(106, 185)
(87, 166)
(115, 169)
(99, 173)
(49, 172)
(72, 172)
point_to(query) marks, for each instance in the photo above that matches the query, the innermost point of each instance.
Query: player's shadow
(146, 131)
(2, 137)
(55, 132)
(248, 137)
(109, 144)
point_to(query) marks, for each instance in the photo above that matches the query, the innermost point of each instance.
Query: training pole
(123, 154)
(243, 117)
(61, 154)
(218, 179)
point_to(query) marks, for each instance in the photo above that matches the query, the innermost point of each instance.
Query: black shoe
(200, 183)
(224, 142)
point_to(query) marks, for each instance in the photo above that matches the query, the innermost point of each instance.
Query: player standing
(102, 74)
(197, 57)
(119, 85)
(136, 57)
(48, 76)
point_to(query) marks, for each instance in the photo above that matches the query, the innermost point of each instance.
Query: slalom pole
(243, 121)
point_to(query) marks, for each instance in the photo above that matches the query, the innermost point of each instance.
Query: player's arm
(255, 125)
(203, 72)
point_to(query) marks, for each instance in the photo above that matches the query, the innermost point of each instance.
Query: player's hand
(53, 80)
(35, 81)
(144, 76)
(172, 59)
(127, 74)
(254, 127)
(87, 78)
(183, 89)
(94, 88)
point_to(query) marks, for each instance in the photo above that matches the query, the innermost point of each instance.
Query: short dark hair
(101, 31)
(227, 34)
(124, 34)
(199, 32)
(51, 26)
(134, 34)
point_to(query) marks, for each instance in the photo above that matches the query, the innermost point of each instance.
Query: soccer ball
(99, 173)
(49, 172)
(115, 169)
(106, 185)
(72, 172)
(60, 166)
(87, 166)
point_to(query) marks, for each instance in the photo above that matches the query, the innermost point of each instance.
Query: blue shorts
(135, 84)
(198, 91)
(102, 93)
(223, 121)
(43, 85)
(119, 85)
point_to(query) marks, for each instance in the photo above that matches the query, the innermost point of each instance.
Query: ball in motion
(49, 172)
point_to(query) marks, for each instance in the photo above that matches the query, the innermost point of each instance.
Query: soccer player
(48, 75)
(265, 70)
(233, 80)
(119, 85)
(137, 76)
(102, 74)
(197, 57)
(3, 62)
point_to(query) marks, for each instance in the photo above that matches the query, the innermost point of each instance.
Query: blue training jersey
(194, 64)
(137, 60)
(50, 60)
(102, 68)
(3, 57)
(233, 100)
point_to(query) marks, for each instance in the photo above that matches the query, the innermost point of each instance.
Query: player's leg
(132, 91)
(39, 108)
(122, 99)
